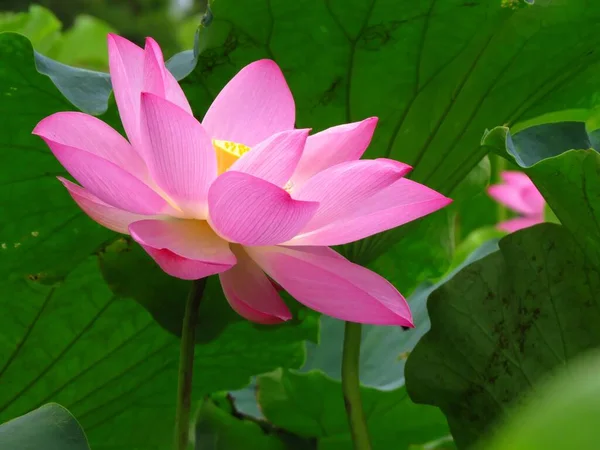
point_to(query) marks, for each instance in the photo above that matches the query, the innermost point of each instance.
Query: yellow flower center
(228, 152)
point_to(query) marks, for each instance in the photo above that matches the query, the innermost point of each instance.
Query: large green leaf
(44, 233)
(107, 360)
(503, 323)
(437, 73)
(312, 405)
(50, 427)
(218, 429)
(563, 414)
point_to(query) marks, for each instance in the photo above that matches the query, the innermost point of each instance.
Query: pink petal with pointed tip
(511, 197)
(109, 182)
(343, 188)
(126, 64)
(179, 154)
(519, 223)
(400, 203)
(107, 216)
(274, 159)
(158, 80)
(85, 132)
(255, 104)
(251, 294)
(334, 286)
(332, 146)
(250, 211)
(186, 249)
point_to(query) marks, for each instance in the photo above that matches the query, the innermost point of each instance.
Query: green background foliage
(91, 323)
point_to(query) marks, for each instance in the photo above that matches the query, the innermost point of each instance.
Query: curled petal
(250, 211)
(333, 146)
(274, 159)
(179, 154)
(126, 64)
(85, 132)
(133, 70)
(250, 293)
(400, 203)
(333, 285)
(255, 104)
(186, 249)
(112, 218)
(343, 188)
(109, 182)
(158, 80)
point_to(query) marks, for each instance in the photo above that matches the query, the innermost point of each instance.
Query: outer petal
(343, 188)
(255, 104)
(179, 154)
(515, 178)
(335, 145)
(251, 211)
(157, 78)
(533, 198)
(186, 249)
(250, 293)
(519, 223)
(110, 183)
(400, 203)
(85, 132)
(107, 216)
(512, 197)
(334, 286)
(126, 63)
(274, 159)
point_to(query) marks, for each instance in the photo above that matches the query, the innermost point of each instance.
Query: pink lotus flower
(241, 194)
(519, 194)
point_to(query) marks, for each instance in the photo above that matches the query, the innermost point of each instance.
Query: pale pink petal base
(519, 223)
(186, 249)
(400, 203)
(333, 285)
(335, 145)
(250, 211)
(251, 294)
(112, 218)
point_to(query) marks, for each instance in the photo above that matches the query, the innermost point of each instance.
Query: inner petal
(228, 152)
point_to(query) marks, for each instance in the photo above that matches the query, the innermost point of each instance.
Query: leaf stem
(186, 365)
(351, 386)
(499, 165)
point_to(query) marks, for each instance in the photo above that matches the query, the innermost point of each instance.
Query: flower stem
(351, 387)
(186, 365)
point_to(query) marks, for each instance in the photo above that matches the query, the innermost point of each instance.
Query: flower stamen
(228, 152)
